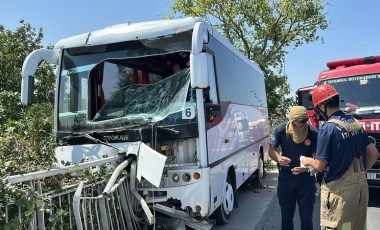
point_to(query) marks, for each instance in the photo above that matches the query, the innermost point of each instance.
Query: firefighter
(346, 152)
(295, 185)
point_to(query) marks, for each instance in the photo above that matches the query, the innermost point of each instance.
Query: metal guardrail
(53, 172)
(103, 206)
(113, 204)
(115, 208)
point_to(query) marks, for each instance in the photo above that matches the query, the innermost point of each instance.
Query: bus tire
(222, 214)
(260, 171)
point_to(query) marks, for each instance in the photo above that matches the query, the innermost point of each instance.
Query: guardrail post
(40, 213)
(76, 206)
(103, 213)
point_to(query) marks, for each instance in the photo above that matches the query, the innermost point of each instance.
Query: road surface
(259, 209)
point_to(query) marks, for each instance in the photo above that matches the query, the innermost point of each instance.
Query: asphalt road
(253, 205)
(259, 209)
(373, 210)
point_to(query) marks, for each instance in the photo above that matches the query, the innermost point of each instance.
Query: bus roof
(128, 32)
(145, 30)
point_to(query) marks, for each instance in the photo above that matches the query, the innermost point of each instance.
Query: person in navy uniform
(345, 152)
(296, 185)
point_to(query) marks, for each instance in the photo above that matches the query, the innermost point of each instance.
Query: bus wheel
(222, 214)
(259, 174)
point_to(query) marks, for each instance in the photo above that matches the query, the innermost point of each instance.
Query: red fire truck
(358, 83)
(303, 98)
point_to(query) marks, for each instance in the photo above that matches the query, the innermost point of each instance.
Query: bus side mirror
(27, 88)
(198, 70)
(29, 68)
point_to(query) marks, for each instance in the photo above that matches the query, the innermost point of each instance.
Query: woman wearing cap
(346, 153)
(296, 138)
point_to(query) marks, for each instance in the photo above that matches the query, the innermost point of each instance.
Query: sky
(353, 31)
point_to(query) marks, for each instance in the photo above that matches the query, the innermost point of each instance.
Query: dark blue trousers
(296, 189)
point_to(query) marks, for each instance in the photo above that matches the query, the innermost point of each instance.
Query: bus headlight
(186, 177)
(175, 178)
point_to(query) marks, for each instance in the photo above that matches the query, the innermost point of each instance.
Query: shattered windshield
(125, 84)
(358, 92)
(151, 102)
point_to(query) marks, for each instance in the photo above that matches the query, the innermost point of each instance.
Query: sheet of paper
(150, 164)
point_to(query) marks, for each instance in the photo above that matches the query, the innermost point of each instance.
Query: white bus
(176, 97)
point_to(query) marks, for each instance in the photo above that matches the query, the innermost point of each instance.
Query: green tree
(26, 133)
(263, 30)
(14, 47)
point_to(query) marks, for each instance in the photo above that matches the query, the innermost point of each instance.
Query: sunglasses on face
(299, 123)
(303, 121)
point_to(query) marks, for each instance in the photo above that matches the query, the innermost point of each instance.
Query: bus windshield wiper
(89, 137)
(96, 140)
(73, 136)
(172, 130)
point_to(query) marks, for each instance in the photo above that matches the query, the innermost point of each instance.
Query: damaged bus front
(148, 91)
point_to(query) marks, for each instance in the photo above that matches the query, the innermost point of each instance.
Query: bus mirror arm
(29, 67)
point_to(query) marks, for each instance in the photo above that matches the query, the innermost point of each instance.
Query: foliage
(26, 133)
(14, 47)
(10, 109)
(264, 30)
(29, 140)
(277, 91)
(269, 164)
